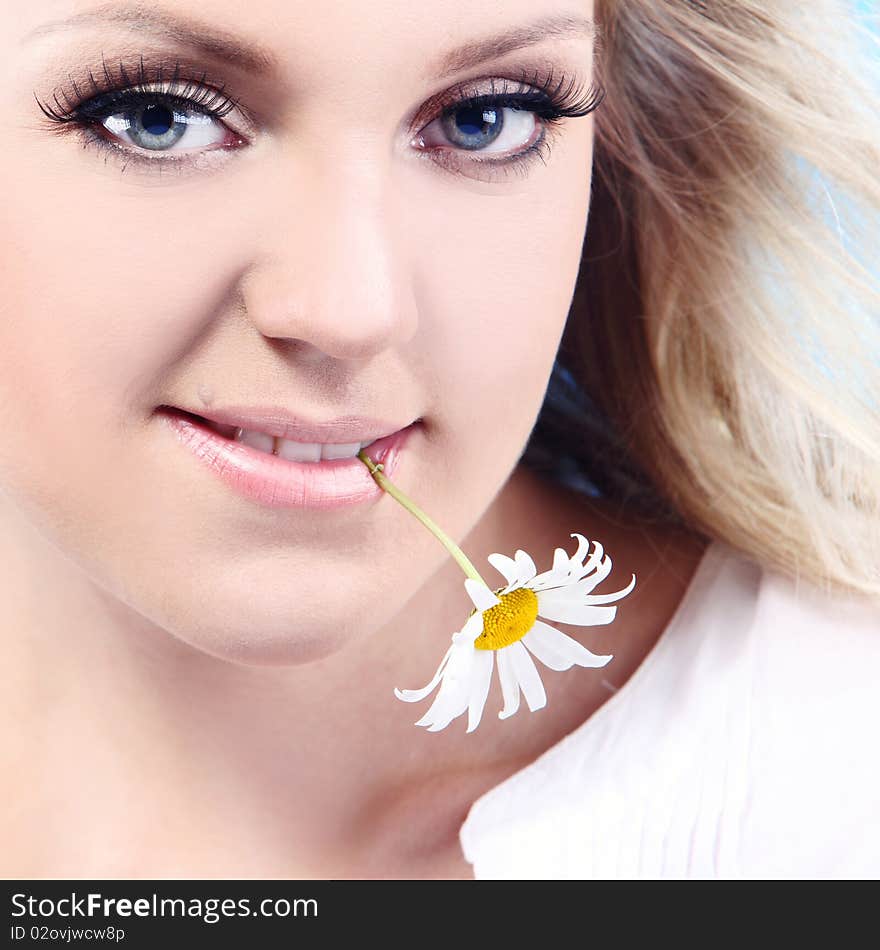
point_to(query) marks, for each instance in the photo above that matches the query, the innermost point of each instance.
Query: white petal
(505, 565)
(577, 559)
(547, 579)
(596, 565)
(509, 685)
(568, 571)
(481, 678)
(596, 569)
(527, 676)
(526, 566)
(610, 598)
(583, 587)
(456, 705)
(578, 593)
(482, 597)
(546, 650)
(583, 615)
(556, 576)
(560, 561)
(472, 628)
(436, 719)
(558, 650)
(454, 694)
(414, 695)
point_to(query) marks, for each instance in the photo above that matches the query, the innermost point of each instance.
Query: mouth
(279, 473)
(293, 451)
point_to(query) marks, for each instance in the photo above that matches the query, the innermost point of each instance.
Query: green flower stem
(388, 486)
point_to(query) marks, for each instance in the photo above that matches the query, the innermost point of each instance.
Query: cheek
(102, 295)
(94, 295)
(499, 287)
(106, 285)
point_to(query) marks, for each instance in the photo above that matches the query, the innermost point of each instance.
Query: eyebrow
(559, 25)
(173, 26)
(259, 60)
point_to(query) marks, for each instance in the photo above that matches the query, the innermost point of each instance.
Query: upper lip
(284, 424)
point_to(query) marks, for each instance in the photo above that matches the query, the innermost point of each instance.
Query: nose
(332, 269)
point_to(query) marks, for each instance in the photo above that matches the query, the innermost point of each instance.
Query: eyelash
(110, 95)
(551, 101)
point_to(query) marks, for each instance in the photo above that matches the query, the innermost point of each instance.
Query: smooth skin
(194, 685)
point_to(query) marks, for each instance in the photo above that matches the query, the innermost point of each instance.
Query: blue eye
(504, 128)
(507, 129)
(493, 128)
(132, 116)
(159, 126)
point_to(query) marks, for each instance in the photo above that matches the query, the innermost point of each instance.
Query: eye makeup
(119, 93)
(551, 98)
(141, 101)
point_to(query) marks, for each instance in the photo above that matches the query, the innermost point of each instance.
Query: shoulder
(811, 702)
(776, 722)
(778, 630)
(809, 660)
(743, 746)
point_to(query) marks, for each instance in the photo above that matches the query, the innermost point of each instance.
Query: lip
(281, 423)
(276, 482)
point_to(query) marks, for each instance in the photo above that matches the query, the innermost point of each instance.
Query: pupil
(157, 119)
(475, 120)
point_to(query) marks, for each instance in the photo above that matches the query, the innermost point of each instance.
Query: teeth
(300, 451)
(339, 450)
(257, 440)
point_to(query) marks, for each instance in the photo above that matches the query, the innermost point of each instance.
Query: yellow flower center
(509, 621)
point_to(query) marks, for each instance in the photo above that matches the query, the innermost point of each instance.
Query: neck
(124, 707)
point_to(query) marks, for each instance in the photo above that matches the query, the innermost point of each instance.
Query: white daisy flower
(506, 624)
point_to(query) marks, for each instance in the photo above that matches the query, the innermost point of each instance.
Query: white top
(745, 745)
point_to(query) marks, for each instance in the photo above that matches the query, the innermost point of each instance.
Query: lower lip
(279, 483)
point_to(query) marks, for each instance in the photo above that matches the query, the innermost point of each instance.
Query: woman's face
(330, 244)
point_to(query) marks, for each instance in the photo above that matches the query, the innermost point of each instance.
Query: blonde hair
(723, 321)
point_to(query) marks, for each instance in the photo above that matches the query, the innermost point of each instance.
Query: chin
(246, 625)
(267, 645)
